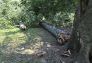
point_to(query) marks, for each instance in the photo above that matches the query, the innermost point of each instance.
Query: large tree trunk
(62, 35)
(52, 29)
(82, 32)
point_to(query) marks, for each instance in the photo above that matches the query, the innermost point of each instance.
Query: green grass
(16, 37)
(9, 33)
(12, 38)
(6, 24)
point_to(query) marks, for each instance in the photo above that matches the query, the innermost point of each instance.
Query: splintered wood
(63, 37)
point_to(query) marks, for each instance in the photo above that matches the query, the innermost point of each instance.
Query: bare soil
(41, 48)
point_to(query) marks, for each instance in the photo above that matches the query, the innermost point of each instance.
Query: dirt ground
(42, 48)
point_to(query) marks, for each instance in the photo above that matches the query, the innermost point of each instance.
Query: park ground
(34, 45)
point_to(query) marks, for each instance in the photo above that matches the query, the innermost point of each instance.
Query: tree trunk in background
(82, 32)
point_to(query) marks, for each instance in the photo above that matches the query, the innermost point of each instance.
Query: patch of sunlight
(1, 39)
(16, 0)
(48, 45)
(26, 51)
(17, 39)
(1, 1)
(37, 39)
(8, 31)
(71, 16)
(12, 36)
(37, 43)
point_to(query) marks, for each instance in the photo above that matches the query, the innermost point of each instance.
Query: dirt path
(40, 47)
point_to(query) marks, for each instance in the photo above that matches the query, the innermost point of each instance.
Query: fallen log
(62, 35)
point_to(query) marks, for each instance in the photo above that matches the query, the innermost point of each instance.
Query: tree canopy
(31, 12)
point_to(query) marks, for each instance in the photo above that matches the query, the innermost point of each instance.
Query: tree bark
(62, 35)
(82, 32)
(75, 36)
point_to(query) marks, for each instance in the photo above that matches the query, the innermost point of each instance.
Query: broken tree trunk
(62, 35)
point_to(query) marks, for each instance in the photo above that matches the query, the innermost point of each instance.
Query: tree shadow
(39, 47)
(35, 41)
(38, 35)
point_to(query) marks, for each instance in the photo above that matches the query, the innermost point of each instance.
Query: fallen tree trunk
(62, 35)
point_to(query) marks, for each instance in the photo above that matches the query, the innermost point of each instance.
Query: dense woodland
(73, 14)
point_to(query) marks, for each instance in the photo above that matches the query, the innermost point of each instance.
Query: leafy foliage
(32, 11)
(5, 24)
(52, 11)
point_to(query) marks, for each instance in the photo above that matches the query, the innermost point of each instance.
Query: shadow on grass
(36, 37)
(36, 40)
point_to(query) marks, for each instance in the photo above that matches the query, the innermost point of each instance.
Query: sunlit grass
(11, 35)
(16, 41)
(4, 31)
(16, 37)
